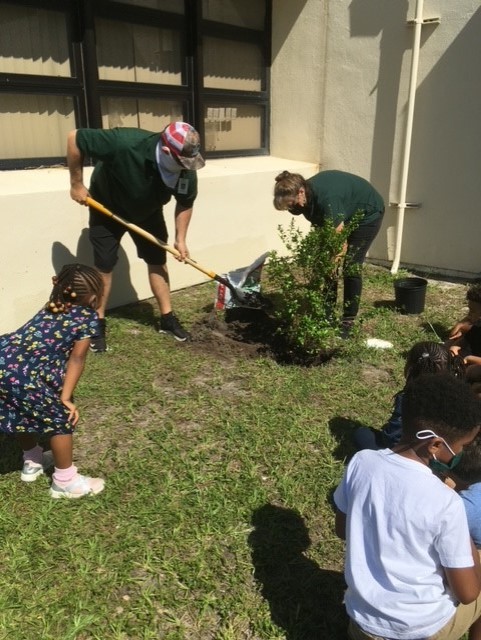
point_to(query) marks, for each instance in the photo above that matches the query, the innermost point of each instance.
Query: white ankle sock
(63, 477)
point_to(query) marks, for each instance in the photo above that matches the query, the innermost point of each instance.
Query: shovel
(245, 299)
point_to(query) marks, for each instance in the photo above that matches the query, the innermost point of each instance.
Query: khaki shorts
(459, 624)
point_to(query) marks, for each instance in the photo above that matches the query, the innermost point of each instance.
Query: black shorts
(472, 338)
(105, 236)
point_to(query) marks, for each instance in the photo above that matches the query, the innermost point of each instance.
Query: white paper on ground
(376, 343)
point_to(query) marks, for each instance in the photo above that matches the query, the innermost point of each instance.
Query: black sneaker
(170, 324)
(98, 344)
(346, 328)
(368, 438)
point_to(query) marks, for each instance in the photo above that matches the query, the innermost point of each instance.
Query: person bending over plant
(336, 196)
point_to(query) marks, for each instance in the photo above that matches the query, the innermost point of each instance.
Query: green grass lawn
(216, 520)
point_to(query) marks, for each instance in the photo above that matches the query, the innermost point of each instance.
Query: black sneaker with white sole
(170, 324)
(98, 344)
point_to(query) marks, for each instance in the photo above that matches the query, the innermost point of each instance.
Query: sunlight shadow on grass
(304, 600)
(343, 431)
(142, 312)
(11, 459)
(384, 304)
(436, 330)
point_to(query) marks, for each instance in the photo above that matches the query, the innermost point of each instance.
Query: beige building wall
(234, 222)
(368, 59)
(340, 82)
(339, 88)
(299, 31)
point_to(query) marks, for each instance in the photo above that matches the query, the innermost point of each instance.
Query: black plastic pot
(410, 295)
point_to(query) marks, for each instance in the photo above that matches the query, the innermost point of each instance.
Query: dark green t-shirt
(126, 178)
(337, 195)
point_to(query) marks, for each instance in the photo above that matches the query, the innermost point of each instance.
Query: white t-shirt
(403, 525)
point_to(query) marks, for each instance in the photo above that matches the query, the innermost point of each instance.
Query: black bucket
(410, 295)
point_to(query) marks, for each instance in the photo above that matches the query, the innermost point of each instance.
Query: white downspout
(418, 23)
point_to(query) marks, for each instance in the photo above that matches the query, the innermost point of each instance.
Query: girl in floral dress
(40, 365)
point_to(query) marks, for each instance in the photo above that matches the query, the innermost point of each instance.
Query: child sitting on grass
(423, 357)
(40, 365)
(465, 337)
(411, 568)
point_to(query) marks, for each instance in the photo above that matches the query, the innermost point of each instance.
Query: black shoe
(170, 324)
(368, 438)
(346, 328)
(98, 344)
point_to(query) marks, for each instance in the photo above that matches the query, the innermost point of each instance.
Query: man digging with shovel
(136, 173)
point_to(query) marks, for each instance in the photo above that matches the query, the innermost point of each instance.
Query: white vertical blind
(35, 125)
(150, 114)
(33, 41)
(229, 128)
(138, 53)
(229, 64)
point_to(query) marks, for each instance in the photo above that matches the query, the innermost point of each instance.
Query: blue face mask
(434, 463)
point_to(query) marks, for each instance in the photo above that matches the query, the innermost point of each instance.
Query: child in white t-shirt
(411, 568)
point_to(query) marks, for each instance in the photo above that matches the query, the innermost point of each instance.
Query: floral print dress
(33, 362)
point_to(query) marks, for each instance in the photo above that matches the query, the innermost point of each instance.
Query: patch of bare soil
(375, 374)
(248, 333)
(234, 333)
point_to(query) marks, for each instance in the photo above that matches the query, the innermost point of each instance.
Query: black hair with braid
(441, 403)
(474, 293)
(75, 284)
(433, 357)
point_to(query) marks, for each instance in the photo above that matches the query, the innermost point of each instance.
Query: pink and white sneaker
(79, 487)
(32, 470)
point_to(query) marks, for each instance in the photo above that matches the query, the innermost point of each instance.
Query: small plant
(305, 283)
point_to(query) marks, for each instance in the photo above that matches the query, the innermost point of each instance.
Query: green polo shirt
(126, 178)
(337, 195)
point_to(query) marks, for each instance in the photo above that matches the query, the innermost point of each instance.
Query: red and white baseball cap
(183, 141)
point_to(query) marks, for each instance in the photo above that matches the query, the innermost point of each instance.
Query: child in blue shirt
(468, 479)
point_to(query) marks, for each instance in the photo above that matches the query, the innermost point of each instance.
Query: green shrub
(304, 281)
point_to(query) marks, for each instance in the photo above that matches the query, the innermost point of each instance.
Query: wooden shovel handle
(149, 236)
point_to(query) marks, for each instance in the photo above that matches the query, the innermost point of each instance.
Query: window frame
(223, 97)
(86, 88)
(23, 83)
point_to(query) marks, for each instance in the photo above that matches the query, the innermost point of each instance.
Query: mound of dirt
(234, 333)
(249, 333)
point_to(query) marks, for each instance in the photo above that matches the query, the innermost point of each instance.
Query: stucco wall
(369, 47)
(297, 78)
(234, 222)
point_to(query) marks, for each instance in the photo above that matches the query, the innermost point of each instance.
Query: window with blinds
(66, 64)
